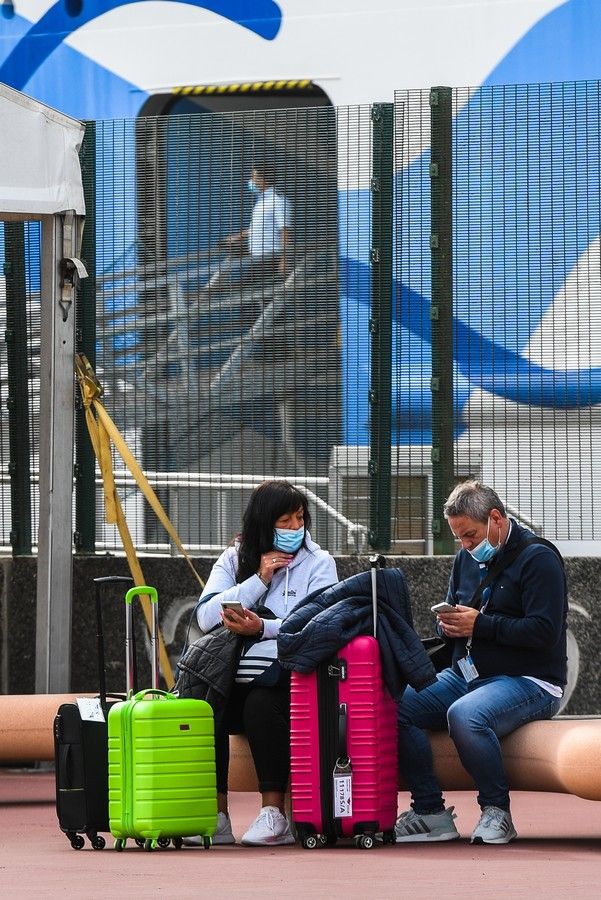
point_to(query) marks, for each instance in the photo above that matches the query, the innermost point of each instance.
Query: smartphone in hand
(442, 607)
(232, 604)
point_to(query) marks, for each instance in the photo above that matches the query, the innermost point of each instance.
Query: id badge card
(467, 668)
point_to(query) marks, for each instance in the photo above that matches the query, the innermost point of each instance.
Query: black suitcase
(81, 754)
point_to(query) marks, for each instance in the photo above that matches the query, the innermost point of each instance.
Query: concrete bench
(560, 755)
(26, 725)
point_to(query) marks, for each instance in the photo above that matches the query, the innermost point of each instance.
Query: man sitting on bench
(507, 627)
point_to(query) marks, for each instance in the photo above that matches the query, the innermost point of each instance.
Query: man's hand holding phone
(457, 621)
(442, 607)
(239, 620)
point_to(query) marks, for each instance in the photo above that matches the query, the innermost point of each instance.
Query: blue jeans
(477, 715)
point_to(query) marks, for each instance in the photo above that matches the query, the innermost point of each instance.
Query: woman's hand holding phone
(239, 620)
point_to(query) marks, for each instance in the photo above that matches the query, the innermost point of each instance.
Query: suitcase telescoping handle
(374, 562)
(143, 590)
(99, 583)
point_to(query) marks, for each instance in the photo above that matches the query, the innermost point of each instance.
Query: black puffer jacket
(328, 619)
(207, 670)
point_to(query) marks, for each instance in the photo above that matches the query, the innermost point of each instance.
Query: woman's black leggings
(263, 715)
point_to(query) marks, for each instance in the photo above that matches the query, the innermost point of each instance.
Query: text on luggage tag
(338, 671)
(90, 709)
(343, 794)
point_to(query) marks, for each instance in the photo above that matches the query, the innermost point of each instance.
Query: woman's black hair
(267, 503)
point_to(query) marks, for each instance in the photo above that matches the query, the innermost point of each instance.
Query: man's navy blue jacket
(329, 618)
(522, 630)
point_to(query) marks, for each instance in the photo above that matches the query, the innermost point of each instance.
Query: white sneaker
(269, 828)
(223, 833)
(495, 827)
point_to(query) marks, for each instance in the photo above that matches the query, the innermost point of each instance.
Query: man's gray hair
(473, 499)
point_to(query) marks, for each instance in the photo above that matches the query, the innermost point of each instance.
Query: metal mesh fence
(19, 383)
(230, 296)
(411, 478)
(268, 303)
(527, 296)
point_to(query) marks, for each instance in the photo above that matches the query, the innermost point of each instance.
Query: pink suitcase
(343, 739)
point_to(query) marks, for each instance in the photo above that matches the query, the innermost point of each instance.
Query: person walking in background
(262, 250)
(270, 567)
(509, 665)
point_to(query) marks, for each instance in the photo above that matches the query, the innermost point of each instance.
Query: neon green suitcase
(162, 781)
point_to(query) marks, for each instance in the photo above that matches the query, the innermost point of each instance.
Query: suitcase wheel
(178, 843)
(163, 842)
(139, 842)
(77, 841)
(120, 844)
(364, 841)
(389, 837)
(206, 842)
(310, 842)
(98, 842)
(150, 844)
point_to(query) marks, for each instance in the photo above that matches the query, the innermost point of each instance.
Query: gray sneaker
(495, 827)
(411, 827)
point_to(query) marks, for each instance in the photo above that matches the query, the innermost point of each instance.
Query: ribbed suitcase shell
(371, 746)
(161, 768)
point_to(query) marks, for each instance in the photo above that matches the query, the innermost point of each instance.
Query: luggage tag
(467, 668)
(343, 788)
(90, 709)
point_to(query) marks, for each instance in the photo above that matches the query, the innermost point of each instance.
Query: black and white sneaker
(495, 827)
(412, 827)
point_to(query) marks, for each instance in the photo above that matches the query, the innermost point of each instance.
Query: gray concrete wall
(426, 576)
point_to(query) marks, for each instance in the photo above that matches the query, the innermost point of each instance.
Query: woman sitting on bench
(268, 569)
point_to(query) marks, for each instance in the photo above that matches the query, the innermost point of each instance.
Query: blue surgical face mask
(252, 187)
(485, 550)
(288, 540)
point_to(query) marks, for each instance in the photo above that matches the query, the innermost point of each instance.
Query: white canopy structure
(40, 179)
(39, 162)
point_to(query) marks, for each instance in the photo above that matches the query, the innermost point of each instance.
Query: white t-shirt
(271, 213)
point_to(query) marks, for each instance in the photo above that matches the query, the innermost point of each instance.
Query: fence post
(84, 537)
(17, 402)
(441, 312)
(380, 326)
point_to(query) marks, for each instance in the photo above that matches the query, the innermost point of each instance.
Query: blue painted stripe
(485, 364)
(263, 17)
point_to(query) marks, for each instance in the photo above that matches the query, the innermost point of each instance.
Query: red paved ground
(558, 856)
